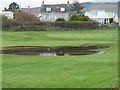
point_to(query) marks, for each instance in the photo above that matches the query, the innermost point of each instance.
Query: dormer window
(62, 9)
(48, 9)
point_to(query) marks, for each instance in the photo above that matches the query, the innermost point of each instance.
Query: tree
(13, 7)
(79, 17)
(60, 19)
(25, 17)
(3, 18)
(111, 20)
(76, 7)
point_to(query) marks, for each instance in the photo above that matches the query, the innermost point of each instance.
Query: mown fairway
(85, 71)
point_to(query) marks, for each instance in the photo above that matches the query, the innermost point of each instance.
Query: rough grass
(89, 71)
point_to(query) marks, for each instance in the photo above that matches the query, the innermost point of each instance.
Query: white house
(55, 11)
(102, 12)
(7, 13)
(51, 12)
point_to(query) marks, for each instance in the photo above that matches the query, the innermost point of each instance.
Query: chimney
(29, 7)
(68, 2)
(42, 4)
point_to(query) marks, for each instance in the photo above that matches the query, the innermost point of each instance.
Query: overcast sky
(37, 3)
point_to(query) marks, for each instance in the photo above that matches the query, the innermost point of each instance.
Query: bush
(60, 19)
(10, 23)
(25, 28)
(78, 25)
(111, 20)
(39, 23)
(25, 17)
(3, 17)
(31, 28)
(79, 17)
(41, 26)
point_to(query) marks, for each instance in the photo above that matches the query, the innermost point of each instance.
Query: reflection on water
(47, 54)
(55, 51)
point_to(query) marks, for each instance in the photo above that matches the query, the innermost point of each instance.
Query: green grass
(89, 71)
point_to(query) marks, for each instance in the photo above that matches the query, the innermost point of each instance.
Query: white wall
(53, 16)
(8, 14)
(101, 14)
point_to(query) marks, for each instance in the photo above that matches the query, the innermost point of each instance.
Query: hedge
(10, 23)
(78, 25)
(25, 28)
(63, 24)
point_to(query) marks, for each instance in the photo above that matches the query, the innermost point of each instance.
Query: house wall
(8, 14)
(116, 18)
(101, 16)
(53, 16)
(119, 21)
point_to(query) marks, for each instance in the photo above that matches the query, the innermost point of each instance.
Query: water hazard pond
(84, 49)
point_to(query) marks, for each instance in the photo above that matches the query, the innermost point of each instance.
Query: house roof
(32, 10)
(56, 7)
(106, 7)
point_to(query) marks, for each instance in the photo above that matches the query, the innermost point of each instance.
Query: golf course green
(84, 71)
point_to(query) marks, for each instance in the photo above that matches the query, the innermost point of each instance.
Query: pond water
(56, 51)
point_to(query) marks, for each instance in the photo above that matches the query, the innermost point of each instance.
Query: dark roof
(56, 7)
(106, 7)
(73, 12)
(32, 10)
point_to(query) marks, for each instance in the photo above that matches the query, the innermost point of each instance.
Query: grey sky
(37, 3)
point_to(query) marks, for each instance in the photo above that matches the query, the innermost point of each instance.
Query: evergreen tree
(14, 6)
(76, 6)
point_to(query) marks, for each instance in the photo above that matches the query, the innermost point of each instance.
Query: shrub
(60, 19)
(39, 23)
(25, 28)
(10, 22)
(25, 17)
(3, 17)
(31, 28)
(39, 26)
(77, 25)
(79, 17)
(111, 20)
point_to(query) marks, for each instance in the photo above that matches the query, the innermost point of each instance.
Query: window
(62, 16)
(48, 9)
(47, 17)
(93, 12)
(62, 9)
(55, 17)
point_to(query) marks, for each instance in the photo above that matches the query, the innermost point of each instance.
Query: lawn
(85, 71)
